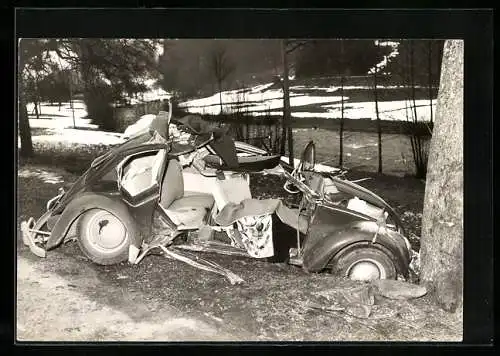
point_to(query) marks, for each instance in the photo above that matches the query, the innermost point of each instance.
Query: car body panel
(356, 190)
(81, 202)
(325, 241)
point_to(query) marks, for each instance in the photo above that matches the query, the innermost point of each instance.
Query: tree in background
(32, 65)
(286, 101)
(322, 58)
(341, 126)
(111, 70)
(288, 48)
(442, 224)
(417, 68)
(221, 65)
(377, 71)
(54, 87)
(184, 66)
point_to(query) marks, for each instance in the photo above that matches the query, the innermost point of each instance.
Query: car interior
(186, 210)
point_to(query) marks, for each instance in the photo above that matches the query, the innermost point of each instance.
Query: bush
(99, 107)
(420, 134)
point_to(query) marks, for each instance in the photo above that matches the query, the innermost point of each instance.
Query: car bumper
(33, 237)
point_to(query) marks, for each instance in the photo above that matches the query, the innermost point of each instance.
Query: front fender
(79, 205)
(317, 256)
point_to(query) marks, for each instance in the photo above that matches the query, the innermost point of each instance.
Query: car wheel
(105, 236)
(364, 263)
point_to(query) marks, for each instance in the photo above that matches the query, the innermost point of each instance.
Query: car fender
(319, 255)
(79, 205)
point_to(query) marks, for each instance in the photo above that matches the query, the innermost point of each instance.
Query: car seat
(185, 211)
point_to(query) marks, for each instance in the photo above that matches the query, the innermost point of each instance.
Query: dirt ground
(65, 297)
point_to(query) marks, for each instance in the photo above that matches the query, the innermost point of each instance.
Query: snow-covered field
(318, 102)
(56, 131)
(69, 124)
(60, 127)
(51, 116)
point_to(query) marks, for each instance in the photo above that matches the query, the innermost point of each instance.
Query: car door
(139, 177)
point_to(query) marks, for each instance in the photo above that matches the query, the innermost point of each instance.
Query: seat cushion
(193, 201)
(231, 190)
(189, 212)
(172, 186)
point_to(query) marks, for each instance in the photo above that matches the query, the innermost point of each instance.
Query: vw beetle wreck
(183, 187)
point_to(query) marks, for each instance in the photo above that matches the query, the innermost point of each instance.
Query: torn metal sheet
(203, 264)
(213, 246)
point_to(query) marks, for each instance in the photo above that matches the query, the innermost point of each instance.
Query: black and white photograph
(234, 189)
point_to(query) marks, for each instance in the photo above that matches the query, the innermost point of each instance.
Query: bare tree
(341, 130)
(429, 64)
(286, 101)
(287, 48)
(221, 66)
(442, 225)
(418, 131)
(379, 127)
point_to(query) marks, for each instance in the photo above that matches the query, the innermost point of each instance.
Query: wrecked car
(189, 192)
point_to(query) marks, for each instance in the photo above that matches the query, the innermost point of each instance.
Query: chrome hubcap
(366, 270)
(106, 232)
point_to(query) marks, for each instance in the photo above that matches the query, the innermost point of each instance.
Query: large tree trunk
(442, 225)
(24, 128)
(24, 123)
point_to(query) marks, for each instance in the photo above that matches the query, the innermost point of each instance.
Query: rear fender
(317, 257)
(75, 209)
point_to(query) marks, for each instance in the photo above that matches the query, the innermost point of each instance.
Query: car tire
(364, 263)
(105, 234)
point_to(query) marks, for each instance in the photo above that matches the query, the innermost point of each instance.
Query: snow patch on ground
(356, 146)
(83, 137)
(260, 100)
(46, 177)
(388, 110)
(51, 116)
(61, 123)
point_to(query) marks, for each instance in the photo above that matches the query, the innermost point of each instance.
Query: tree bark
(24, 123)
(24, 128)
(442, 224)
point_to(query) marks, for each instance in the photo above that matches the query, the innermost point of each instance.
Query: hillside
(320, 98)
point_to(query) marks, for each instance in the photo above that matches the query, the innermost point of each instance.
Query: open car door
(139, 176)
